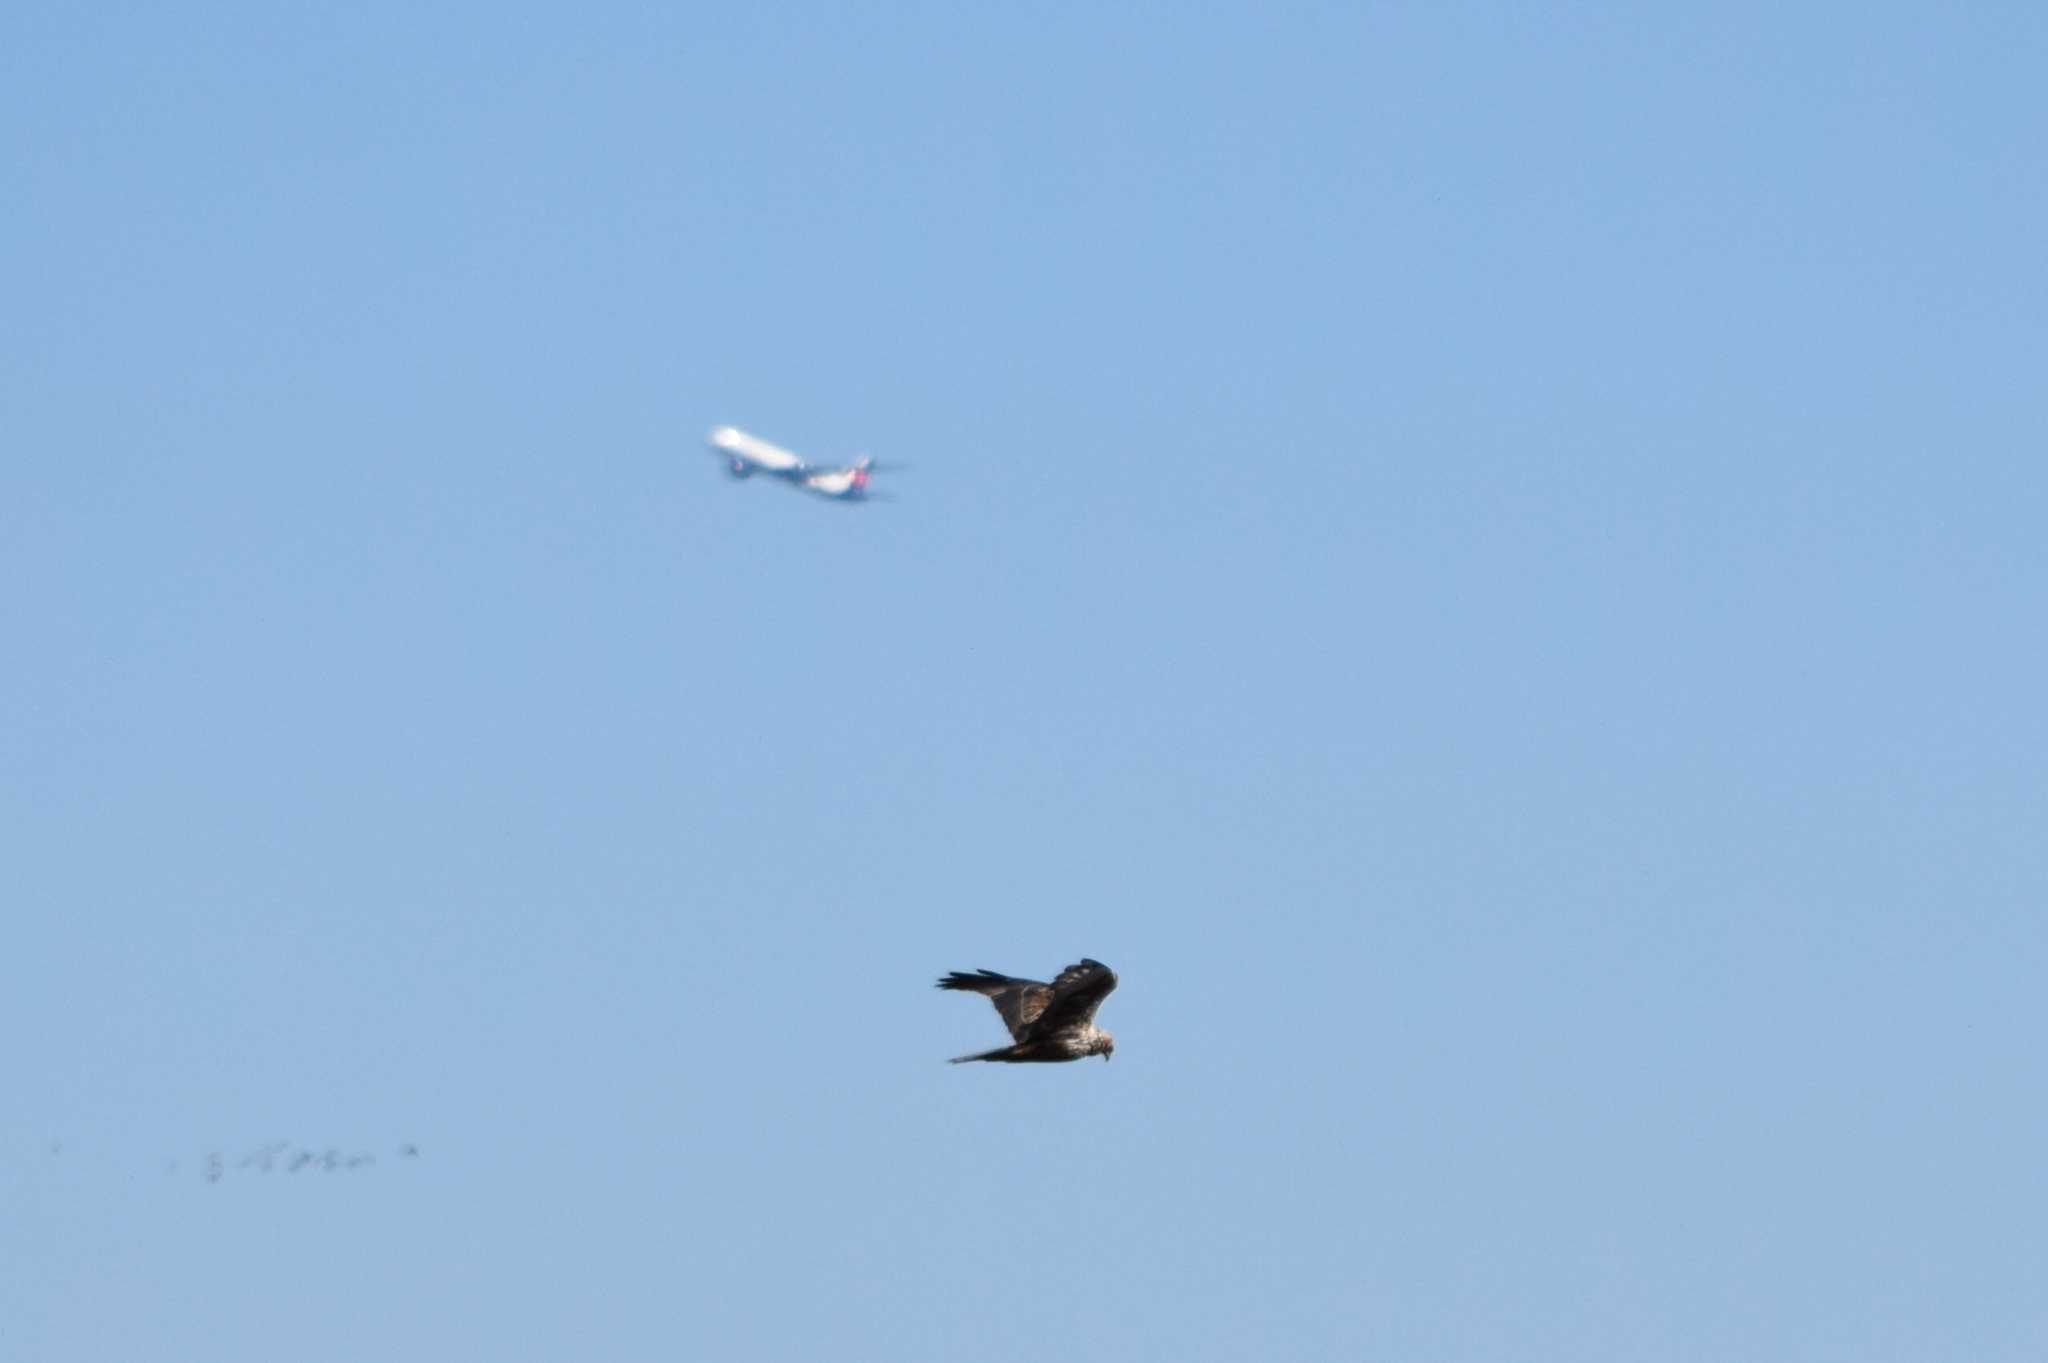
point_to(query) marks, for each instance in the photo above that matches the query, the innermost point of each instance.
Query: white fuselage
(740, 447)
(747, 454)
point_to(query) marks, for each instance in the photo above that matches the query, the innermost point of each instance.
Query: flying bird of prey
(1047, 1021)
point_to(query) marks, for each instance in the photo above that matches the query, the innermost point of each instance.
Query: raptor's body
(1047, 1022)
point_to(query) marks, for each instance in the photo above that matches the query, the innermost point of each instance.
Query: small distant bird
(1048, 1021)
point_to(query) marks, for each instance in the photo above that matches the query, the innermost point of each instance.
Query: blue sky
(1487, 558)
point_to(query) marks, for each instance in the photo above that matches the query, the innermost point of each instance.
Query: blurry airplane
(747, 455)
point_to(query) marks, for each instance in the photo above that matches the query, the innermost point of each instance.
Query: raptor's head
(1105, 1045)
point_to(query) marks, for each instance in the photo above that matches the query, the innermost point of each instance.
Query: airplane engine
(739, 468)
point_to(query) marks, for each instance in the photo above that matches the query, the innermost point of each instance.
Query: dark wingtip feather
(960, 979)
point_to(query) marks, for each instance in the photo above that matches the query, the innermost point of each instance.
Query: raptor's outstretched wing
(1019, 1002)
(1075, 994)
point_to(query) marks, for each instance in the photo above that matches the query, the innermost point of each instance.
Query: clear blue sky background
(1489, 558)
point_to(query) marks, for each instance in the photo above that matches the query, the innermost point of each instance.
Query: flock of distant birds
(283, 1157)
(1047, 1022)
(280, 1157)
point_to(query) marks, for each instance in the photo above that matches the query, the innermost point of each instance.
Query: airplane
(747, 455)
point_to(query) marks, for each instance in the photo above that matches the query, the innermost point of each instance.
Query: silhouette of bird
(1047, 1022)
